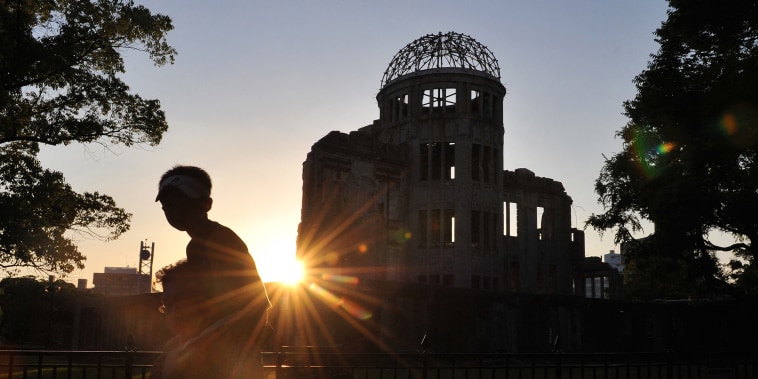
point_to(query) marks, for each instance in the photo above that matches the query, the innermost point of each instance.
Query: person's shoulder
(225, 235)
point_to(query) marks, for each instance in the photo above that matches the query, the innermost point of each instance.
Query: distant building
(121, 281)
(614, 260)
(601, 280)
(420, 195)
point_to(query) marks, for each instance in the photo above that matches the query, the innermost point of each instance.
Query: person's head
(186, 298)
(185, 195)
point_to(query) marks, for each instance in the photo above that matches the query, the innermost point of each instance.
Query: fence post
(424, 364)
(279, 364)
(129, 349)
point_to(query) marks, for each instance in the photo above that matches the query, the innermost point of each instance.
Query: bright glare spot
(277, 263)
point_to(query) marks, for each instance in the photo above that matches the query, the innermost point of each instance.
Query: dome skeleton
(449, 50)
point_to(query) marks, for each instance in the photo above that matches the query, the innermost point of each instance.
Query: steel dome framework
(440, 50)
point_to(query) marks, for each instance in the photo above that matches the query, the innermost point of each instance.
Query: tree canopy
(60, 63)
(689, 163)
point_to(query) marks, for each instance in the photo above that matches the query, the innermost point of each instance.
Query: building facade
(121, 281)
(420, 195)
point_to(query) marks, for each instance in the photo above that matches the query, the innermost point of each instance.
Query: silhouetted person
(206, 342)
(228, 270)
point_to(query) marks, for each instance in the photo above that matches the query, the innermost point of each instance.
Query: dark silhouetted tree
(689, 162)
(59, 75)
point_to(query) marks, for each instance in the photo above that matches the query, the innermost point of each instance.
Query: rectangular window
(404, 107)
(488, 229)
(423, 233)
(438, 100)
(476, 162)
(449, 160)
(540, 212)
(400, 108)
(423, 160)
(476, 231)
(476, 102)
(597, 288)
(510, 219)
(436, 227)
(487, 109)
(551, 278)
(475, 281)
(514, 276)
(448, 280)
(450, 99)
(486, 164)
(449, 227)
(493, 165)
(436, 161)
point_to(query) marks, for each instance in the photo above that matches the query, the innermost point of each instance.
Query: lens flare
(729, 124)
(740, 126)
(346, 279)
(647, 149)
(665, 147)
(349, 306)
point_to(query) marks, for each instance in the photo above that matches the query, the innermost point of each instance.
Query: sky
(256, 83)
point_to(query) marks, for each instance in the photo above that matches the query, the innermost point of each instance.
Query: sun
(276, 263)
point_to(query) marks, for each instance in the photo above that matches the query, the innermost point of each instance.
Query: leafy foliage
(32, 309)
(689, 162)
(59, 67)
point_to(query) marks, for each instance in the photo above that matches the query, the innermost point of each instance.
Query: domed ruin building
(421, 196)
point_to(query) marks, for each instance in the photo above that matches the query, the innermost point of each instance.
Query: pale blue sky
(256, 83)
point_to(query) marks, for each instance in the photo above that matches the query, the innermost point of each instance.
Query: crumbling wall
(538, 253)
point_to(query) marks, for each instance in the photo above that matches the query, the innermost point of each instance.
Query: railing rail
(69, 364)
(312, 363)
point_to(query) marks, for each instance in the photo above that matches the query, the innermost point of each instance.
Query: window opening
(486, 163)
(449, 227)
(540, 212)
(423, 228)
(437, 161)
(475, 228)
(438, 99)
(476, 100)
(476, 161)
(424, 161)
(487, 105)
(448, 280)
(400, 108)
(449, 160)
(488, 229)
(436, 227)
(510, 213)
(515, 279)
(475, 281)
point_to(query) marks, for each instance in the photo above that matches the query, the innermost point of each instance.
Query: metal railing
(312, 363)
(64, 364)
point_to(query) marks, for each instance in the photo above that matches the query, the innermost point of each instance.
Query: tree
(689, 162)
(59, 69)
